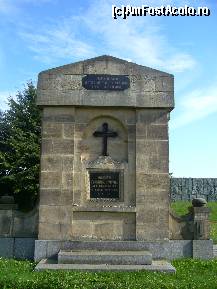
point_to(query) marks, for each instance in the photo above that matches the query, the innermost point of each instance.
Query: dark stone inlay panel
(104, 185)
(105, 82)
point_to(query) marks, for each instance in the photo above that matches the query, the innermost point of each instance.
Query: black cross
(105, 133)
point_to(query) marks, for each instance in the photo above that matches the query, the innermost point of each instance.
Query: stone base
(157, 266)
(203, 249)
(168, 249)
(19, 248)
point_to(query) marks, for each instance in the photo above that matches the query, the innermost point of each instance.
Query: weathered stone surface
(51, 163)
(58, 115)
(67, 163)
(50, 180)
(203, 249)
(67, 180)
(49, 231)
(52, 130)
(152, 182)
(68, 130)
(57, 146)
(152, 116)
(63, 146)
(155, 132)
(50, 197)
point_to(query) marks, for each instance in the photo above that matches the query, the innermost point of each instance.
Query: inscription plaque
(104, 185)
(105, 82)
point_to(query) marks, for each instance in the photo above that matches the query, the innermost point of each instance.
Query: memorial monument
(104, 181)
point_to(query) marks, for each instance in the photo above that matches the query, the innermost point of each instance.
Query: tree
(20, 148)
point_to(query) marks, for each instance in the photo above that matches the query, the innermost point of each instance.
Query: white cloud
(58, 42)
(180, 62)
(95, 32)
(141, 38)
(196, 105)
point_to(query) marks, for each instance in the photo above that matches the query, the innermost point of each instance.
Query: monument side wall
(152, 178)
(57, 160)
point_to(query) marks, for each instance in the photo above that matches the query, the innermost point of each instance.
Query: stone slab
(156, 266)
(24, 248)
(178, 249)
(203, 249)
(7, 247)
(105, 257)
(19, 248)
(40, 249)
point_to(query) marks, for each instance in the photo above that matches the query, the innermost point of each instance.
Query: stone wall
(18, 232)
(189, 188)
(15, 224)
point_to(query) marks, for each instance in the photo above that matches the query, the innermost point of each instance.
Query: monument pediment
(106, 81)
(102, 63)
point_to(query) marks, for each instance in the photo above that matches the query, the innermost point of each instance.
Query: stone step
(105, 257)
(110, 245)
(156, 266)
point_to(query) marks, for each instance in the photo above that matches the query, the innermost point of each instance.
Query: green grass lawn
(190, 274)
(181, 208)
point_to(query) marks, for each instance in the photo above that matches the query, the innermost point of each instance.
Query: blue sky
(40, 34)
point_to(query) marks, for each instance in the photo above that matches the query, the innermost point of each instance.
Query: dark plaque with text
(105, 82)
(104, 185)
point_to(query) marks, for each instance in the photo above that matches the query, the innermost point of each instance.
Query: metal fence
(188, 188)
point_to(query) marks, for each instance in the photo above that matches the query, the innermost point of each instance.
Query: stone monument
(104, 157)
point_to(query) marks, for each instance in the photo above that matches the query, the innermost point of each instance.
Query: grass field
(192, 274)
(181, 208)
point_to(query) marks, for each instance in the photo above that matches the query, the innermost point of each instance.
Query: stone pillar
(57, 153)
(202, 245)
(201, 223)
(152, 175)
